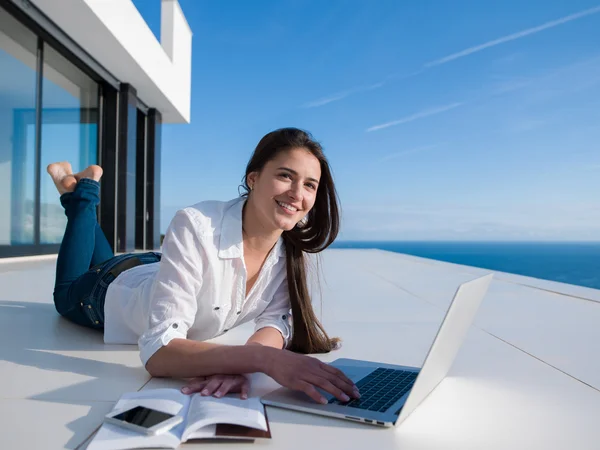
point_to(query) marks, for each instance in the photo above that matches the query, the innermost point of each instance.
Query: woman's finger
(328, 387)
(310, 390)
(337, 373)
(195, 385)
(348, 388)
(213, 384)
(245, 389)
(226, 386)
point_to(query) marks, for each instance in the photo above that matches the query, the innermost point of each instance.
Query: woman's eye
(285, 175)
(311, 186)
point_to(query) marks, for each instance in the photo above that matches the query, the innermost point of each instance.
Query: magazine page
(205, 411)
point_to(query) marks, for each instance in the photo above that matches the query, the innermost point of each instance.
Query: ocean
(567, 262)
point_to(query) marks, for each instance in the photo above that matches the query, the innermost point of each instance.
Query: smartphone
(144, 420)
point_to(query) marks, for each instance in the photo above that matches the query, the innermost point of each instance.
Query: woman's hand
(305, 373)
(218, 385)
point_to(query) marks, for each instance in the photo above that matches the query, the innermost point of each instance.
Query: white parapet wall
(115, 34)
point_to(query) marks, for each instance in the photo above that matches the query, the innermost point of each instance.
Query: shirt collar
(231, 240)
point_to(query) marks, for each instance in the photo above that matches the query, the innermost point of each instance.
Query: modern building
(88, 82)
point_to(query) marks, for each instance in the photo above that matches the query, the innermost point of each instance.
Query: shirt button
(239, 312)
(217, 308)
(225, 331)
(175, 325)
(284, 317)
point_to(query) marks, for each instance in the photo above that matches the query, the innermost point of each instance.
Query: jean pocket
(89, 311)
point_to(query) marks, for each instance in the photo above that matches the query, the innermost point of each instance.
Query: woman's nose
(296, 192)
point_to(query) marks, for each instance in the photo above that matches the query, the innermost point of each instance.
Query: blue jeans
(86, 264)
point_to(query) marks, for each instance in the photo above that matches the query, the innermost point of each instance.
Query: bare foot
(93, 172)
(62, 175)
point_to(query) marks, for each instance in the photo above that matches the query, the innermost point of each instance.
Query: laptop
(390, 393)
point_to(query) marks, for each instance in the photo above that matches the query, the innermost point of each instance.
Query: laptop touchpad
(356, 373)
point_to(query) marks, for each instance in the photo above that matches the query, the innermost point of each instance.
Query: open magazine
(203, 418)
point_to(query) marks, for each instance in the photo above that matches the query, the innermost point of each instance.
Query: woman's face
(286, 189)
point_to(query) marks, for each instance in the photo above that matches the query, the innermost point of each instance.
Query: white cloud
(410, 151)
(507, 85)
(522, 125)
(512, 37)
(416, 116)
(507, 59)
(341, 95)
(355, 90)
(325, 100)
(454, 56)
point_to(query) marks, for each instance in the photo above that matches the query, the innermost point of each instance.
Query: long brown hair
(315, 234)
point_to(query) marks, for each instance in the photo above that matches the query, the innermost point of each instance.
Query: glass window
(18, 47)
(69, 132)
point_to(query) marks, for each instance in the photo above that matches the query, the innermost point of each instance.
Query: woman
(222, 264)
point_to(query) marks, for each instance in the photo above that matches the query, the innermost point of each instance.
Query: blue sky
(461, 120)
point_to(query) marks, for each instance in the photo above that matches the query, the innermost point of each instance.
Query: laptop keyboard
(380, 389)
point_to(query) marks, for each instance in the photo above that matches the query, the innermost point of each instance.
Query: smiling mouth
(287, 208)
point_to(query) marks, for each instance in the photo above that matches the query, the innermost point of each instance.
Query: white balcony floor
(526, 377)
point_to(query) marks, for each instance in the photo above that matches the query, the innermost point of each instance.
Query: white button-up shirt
(198, 289)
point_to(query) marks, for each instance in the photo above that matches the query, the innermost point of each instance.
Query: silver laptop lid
(448, 340)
